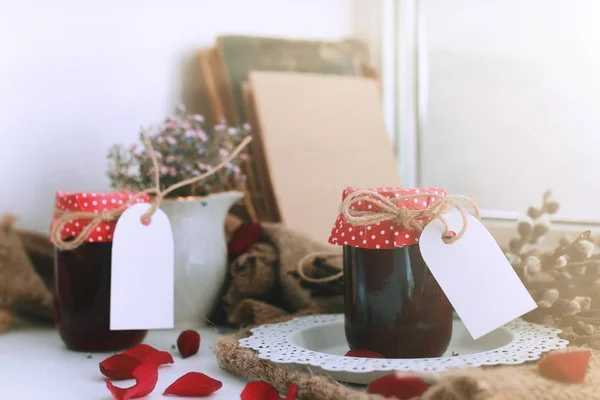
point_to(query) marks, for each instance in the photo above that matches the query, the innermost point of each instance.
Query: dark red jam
(394, 306)
(82, 286)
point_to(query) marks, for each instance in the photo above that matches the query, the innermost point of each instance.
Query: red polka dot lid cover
(94, 203)
(383, 235)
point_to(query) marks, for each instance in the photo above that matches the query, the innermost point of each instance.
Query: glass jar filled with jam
(393, 304)
(83, 275)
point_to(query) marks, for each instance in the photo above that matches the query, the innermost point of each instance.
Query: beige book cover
(320, 133)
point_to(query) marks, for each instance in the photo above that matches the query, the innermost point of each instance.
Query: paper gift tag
(475, 275)
(141, 293)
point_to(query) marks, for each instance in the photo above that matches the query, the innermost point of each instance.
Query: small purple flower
(198, 118)
(168, 126)
(224, 153)
(190, 133)
(173, 171)
(201, 135)
(170, 159)
(246, 126)
(163, 170)
(171, 140)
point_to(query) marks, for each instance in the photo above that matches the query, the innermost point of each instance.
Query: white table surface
(35, 365)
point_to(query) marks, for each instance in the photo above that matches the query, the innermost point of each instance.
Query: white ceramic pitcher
(198, 225)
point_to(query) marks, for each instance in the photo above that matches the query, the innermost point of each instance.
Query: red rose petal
(398, 386)
(243, 238)
(146, 376)
(363, 354)
(188, 343)
(565, 366)
(140, 351)
(259, 390)
(193, 384)
(148, 354)
(292, 392)
(159, 358)
(119, 366)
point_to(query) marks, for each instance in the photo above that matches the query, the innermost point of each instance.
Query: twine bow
(384, 210)
(111, 215)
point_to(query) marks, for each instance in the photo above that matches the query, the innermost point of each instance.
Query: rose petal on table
(259, 390)
(399, 386)
(148, 354)
(243, 238)
(119, 366)
(140, 351)
(292, 392)
(363, 354)
(565, 366)
(188, 343)
(159, 358)
(146, 376)
(193, 384)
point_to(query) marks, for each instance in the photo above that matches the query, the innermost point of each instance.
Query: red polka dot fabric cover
(384, 235)
(95, 203)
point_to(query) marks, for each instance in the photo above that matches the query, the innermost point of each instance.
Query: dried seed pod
(581, 328)
(550, 295)
(515, 245)
(525, 227)
(560, 262)
(580, 250)
(541, 227)
(532, 269)
(514, 260)
(560, 307)
(544, 304)
(573, 308)
(533, 213)
(584, 302)
(551, 207)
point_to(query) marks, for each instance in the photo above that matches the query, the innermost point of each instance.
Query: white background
(78, 76)
(514, 102)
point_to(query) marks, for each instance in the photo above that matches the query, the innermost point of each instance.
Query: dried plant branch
(565, 282)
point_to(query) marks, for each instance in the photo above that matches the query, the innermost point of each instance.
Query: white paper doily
(318, 342)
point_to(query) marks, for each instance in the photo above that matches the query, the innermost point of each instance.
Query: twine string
(95, 218)
(385, 210)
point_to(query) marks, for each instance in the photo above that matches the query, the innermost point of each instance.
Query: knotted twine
(112, 215)
(385, 210)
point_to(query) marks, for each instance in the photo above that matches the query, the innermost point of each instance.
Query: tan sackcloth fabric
(263, 287)
(21, 287)
(263, 281)
(522, 382)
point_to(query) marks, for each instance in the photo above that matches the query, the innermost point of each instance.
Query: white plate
(318, 342)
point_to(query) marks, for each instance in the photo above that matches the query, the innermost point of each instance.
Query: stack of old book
(317, 120)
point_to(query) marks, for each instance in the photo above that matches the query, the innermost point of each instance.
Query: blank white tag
(141, 291)
(475, 275)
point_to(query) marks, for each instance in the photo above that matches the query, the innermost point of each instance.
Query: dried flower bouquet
(184, 149)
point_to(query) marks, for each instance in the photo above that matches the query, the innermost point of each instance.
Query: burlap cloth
(263, 287)
(25, 274)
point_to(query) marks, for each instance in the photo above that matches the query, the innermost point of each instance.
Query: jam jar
(393, 304)
(83, 275)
